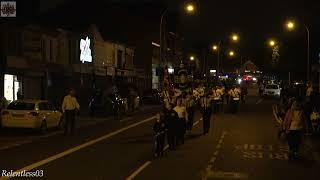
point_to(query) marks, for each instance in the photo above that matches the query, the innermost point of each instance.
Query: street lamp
(189, 8)
(290, 25)
(235, 38)
(272, 43)
(215, 47)
(191, 58)
(231, 53)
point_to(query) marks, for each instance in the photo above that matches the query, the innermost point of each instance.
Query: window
(21, 106)
(43, 106)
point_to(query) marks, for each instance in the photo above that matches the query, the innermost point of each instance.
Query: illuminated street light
(272, 43)
(231, 53)
(191, 58)
(190, 8)
(215, 47)
(235, 38)
(290, 25)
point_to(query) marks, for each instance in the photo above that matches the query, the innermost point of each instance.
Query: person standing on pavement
(182, 123)
(294, 124)
(206, 111)
(171, 119)
(190, 111)
(159, 129)
(70, 107)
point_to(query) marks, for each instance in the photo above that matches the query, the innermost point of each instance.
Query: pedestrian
(206, 111)
(70, 107)
(182, 123)
(171, 119)
(190, 111)
(234, 95)
(294, 125)
(244, 92)
(159, 129)
(261, 88)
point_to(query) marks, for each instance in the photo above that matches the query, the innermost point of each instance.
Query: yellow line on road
(77, 148)
(135, 173)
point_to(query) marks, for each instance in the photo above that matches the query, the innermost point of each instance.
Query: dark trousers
(182, 129)
(172, 138)
(190, 111)
(294, 140)
(69, 126)
(206, 115)
(160, 143)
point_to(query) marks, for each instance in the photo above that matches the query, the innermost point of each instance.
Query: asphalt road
(241, 146)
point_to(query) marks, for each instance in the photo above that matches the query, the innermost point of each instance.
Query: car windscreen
(272, 87)
(21, 106)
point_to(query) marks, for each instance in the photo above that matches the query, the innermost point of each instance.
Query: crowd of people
(177, 115)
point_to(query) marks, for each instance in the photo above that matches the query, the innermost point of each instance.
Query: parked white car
(35, 114)
(273, 90)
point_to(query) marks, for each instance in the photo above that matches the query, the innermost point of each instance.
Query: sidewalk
(87, 120)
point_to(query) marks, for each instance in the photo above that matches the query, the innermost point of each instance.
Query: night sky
(254, 21)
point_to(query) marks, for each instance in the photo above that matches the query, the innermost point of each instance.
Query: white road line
(194, 124)
(216, 153)
(259, 101)
(166, 147)
(77, 148)
(135, 173)
(220, 141)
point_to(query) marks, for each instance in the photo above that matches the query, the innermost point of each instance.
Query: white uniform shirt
(296, 123)
(70, 103)
(181, 111)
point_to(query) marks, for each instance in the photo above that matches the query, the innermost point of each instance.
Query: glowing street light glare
(272, 43)
(235, 37)
(290, 25)
(215, 47)
(231, 53)
(191, 58)
(190, 8)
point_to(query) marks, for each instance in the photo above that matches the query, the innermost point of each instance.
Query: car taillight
(33, 113)
(5, 112)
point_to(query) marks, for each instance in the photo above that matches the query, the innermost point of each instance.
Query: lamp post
(290, 25)
(189, 8)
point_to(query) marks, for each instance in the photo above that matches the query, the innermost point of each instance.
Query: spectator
(294, 125)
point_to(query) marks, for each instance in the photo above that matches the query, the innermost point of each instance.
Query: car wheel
(43, 127)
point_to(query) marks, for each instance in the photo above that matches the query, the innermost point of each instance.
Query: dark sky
(255, 21)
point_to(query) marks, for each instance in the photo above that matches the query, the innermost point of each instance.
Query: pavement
(240, 146)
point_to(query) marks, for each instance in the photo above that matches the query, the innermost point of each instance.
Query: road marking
(79, 147)
(166, 147)
(259, 101)
(226, 175)
(135, 173)
(215, 155)
(194, 124)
